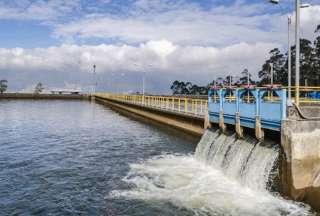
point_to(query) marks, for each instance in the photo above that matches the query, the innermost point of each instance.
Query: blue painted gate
(269, 105)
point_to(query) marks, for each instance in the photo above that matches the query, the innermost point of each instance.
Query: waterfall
(244, 160)
(225, 176)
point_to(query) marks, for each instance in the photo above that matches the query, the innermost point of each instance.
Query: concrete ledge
(300, 140)
(190, 124)
(42, 96)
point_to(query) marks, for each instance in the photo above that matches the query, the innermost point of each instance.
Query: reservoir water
(81, 158)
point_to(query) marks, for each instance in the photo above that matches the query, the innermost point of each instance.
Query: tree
(220, 81)
(278, 61)
(317, 29)
(307, 63)
(175, 87)
(244, 77)
(39, 88)
(3, 86)
(187, 88)
(316, 57)
(229, 80)
(180, 87)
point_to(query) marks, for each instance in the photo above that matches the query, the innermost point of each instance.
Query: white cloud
(183, 26)
(197, 63)
(188, 24)
(38, 9)
(180, 21)
(310, 18)
(181, 40)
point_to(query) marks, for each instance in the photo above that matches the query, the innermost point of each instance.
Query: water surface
(66, 158)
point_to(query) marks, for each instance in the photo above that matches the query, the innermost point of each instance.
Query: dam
(86, 150)
(265, 113)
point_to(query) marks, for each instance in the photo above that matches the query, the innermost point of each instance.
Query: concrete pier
(300, 140)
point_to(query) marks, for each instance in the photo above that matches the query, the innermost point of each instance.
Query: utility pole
(271, 74)
(289, 59)
(248, 77)
(95, 79)
(297, 89)
(271, 80)
(143, 81)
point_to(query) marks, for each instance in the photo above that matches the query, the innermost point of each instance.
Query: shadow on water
(155, 125)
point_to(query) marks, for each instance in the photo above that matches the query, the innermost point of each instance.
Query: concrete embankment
(300, 140)
(188, 123)
(43, 96)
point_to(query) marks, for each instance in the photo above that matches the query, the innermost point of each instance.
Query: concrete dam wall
(297, 144)
(190, 124)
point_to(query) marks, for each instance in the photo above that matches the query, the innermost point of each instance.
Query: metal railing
(184, 105)
(308, 95)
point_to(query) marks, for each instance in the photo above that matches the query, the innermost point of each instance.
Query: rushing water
(80, 158)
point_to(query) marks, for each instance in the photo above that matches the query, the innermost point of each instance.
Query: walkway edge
(189, 125)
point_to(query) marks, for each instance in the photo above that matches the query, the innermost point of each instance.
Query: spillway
(225, 176)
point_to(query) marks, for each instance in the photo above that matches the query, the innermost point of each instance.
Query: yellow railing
(307, 95)
(177, 104)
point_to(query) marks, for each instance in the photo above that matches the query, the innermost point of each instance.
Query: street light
(297, 83)
(298, 5)
(289, 60)
(271, 74)
(95, 79)
(143, 79)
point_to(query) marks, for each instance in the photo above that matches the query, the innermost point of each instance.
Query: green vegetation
(309, 70)
(3, 86)
(39, 88)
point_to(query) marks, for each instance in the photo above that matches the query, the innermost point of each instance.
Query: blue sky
(182, 39)
(27, 25)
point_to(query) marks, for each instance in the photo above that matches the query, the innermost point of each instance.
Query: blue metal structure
(249, 104)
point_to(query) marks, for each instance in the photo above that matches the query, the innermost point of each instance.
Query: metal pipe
(289, 59)
(297, 83)
(271, 74)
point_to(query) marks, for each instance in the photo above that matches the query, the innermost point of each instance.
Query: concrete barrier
(43, 96)
(300, 140)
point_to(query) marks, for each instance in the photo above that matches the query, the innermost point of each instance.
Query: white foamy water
(226, 176)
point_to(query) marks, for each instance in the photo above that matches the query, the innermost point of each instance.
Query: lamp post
(95, 79)
(143, 80)
(297, 83)
(289, 59)
(271, 74)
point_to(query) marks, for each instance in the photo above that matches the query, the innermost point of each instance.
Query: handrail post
(185, 104)
(192, 106)
(237, 100)
(196, 107)
(221, 115)
(283, 104)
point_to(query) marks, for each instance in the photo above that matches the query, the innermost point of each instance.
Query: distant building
(66, 91)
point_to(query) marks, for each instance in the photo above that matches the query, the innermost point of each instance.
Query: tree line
(309, 70)
(188, 88)
(4, 86)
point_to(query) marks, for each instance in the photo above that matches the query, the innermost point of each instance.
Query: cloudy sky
(57, 42)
